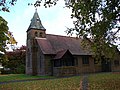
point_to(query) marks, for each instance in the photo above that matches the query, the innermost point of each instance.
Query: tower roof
(36, 22)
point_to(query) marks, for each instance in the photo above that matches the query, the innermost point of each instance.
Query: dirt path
(27, 80)
(84, 83)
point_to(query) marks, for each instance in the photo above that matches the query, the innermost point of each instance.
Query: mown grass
(11, 77)
(106, 81)
(71, 83)
(103, 81)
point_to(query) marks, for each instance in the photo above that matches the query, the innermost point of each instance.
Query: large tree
(98, 20)
(16, 60)
(5, 35)
(3, 32)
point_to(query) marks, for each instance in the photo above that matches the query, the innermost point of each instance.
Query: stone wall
(28, 58)
(40, 63)
(85, 68)
(115, 68)
(48, 65)
(64, 71)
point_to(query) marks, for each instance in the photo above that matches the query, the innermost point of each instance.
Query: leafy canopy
(16, 60)
(98, 20)
(5, 5)
(3, 36)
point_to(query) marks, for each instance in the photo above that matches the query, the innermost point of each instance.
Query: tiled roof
(55, 43)
(60, 54)
(45, 46)
(36, 22)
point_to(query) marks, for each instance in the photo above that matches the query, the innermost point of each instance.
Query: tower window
(36, 34)
(37, 19)
(40, 34)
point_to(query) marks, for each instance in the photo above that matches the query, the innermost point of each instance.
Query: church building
(57, 55)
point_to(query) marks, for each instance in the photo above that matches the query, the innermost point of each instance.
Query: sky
(54, 19)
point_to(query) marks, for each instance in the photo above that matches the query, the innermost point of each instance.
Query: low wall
(64, 71)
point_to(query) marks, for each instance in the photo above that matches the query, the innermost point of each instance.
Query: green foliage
(3, 31)
(47, 3)
(20, 69)
(97, 20)
(16, 60)
(3, 38)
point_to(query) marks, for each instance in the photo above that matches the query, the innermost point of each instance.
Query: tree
(3, 32)
(98, 20)
(5, 35)
(5, 38)
(5, 5)
(16, 60)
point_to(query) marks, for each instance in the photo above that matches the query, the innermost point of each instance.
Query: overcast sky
(54, 19)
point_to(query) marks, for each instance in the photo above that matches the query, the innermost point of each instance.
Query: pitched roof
(55, 43)
(45, 46)
(60, 54)
(36, 23)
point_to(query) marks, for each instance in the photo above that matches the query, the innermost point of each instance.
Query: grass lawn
(71, 83)
(102, 81)
(9, 77)
(106, 81)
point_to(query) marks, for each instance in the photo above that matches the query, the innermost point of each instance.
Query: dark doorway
(106, 65)
(64, 59)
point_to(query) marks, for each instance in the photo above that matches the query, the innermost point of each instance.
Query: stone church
(57, 55)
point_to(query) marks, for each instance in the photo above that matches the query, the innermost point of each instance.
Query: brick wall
(80, 68)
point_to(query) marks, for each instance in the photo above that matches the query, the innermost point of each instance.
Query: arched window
(40, 34)
(36, 34)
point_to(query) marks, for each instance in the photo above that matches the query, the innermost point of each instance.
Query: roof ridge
(62, 50)
(63, 36)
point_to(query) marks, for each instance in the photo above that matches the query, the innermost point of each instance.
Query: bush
(3, 71)
(20, 69)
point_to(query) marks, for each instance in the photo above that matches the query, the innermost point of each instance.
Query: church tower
(35, 30)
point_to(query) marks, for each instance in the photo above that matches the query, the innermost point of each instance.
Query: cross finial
(36, 9)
